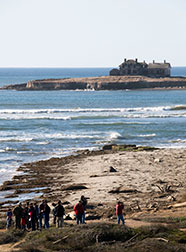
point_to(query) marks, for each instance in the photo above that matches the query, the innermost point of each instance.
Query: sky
(91, 33)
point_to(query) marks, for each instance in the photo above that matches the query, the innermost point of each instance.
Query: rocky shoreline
(102, 83)
(150, 181)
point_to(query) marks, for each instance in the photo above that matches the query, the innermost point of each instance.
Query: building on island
(133, 67)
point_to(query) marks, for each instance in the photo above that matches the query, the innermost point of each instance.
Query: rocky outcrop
(15, 86)
(102, 83)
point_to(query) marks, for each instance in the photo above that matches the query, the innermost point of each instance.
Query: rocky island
(131, 74)
(102, 83)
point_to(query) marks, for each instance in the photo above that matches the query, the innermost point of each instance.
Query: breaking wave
(147, 135)
(114, 135)
(93, 113)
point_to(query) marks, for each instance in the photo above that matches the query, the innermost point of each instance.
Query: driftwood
(62, 239)
(131, 241)
(161, 239)
(165, 188)
(183, 204)
(133, 237)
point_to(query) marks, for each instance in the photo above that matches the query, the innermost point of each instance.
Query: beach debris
(121, 189)
(165, 188)
(153, 206)
(183, 204)
(74, 187)
(66, 203)
(158, 160)
(70, 216)
(161, 239)
(92, 216)
(112, 169)
(62, 239)
(171, 198)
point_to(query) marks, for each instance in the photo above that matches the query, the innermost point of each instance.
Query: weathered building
(133, 67)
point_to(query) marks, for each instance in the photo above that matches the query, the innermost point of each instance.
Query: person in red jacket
(119, 212)
(79, 210)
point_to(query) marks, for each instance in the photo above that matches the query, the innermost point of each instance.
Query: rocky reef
(102, 83)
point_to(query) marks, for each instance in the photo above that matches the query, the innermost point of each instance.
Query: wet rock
(74, 187)
(93, 217)
(112, 169)
(66, 203)
(108, 146)
(68, 217)
(123, 190)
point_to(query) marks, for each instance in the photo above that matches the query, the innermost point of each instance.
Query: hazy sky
(91, 33)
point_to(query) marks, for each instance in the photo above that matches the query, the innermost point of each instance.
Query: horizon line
(63, 67)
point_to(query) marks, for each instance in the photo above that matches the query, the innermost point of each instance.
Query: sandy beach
(150, 183)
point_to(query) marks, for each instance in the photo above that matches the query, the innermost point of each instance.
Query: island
(102, 83)
(131, 75)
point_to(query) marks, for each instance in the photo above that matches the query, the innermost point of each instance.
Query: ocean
(38, 125)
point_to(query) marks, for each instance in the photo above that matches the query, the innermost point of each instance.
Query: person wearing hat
(59, 213)
(18, 211)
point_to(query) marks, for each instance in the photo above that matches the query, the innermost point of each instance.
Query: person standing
(46, 214)
(24, 219)
(32, 215)
(18, 210)
(41, 213)
(36, 208)
(78, 209)
(84, 204)
(54, 213)
(8, 218)
(119, 212)
(59, 213)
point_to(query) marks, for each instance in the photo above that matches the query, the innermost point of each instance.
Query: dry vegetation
(99, 237)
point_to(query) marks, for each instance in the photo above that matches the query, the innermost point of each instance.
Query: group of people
(34, 216)
(29, 216)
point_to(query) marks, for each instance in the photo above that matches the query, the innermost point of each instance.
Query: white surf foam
(147, 135)
(83, 113)
(114, 135)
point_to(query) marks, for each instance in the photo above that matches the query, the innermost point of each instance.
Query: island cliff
(102, 83)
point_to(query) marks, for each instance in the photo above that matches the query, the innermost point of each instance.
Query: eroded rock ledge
(102, 83)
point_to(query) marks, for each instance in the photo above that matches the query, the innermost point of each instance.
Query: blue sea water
(37, 125)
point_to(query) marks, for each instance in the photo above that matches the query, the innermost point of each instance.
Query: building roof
(134, 62)
(159, 65)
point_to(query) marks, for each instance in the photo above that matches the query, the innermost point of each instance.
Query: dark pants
(46, 220)
(18, 222)
(79, 218)
(41, 217)
(33, 224)
(54, 220)
(37, 223)
(8, 222)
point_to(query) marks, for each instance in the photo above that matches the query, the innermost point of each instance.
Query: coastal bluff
(102, 83)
